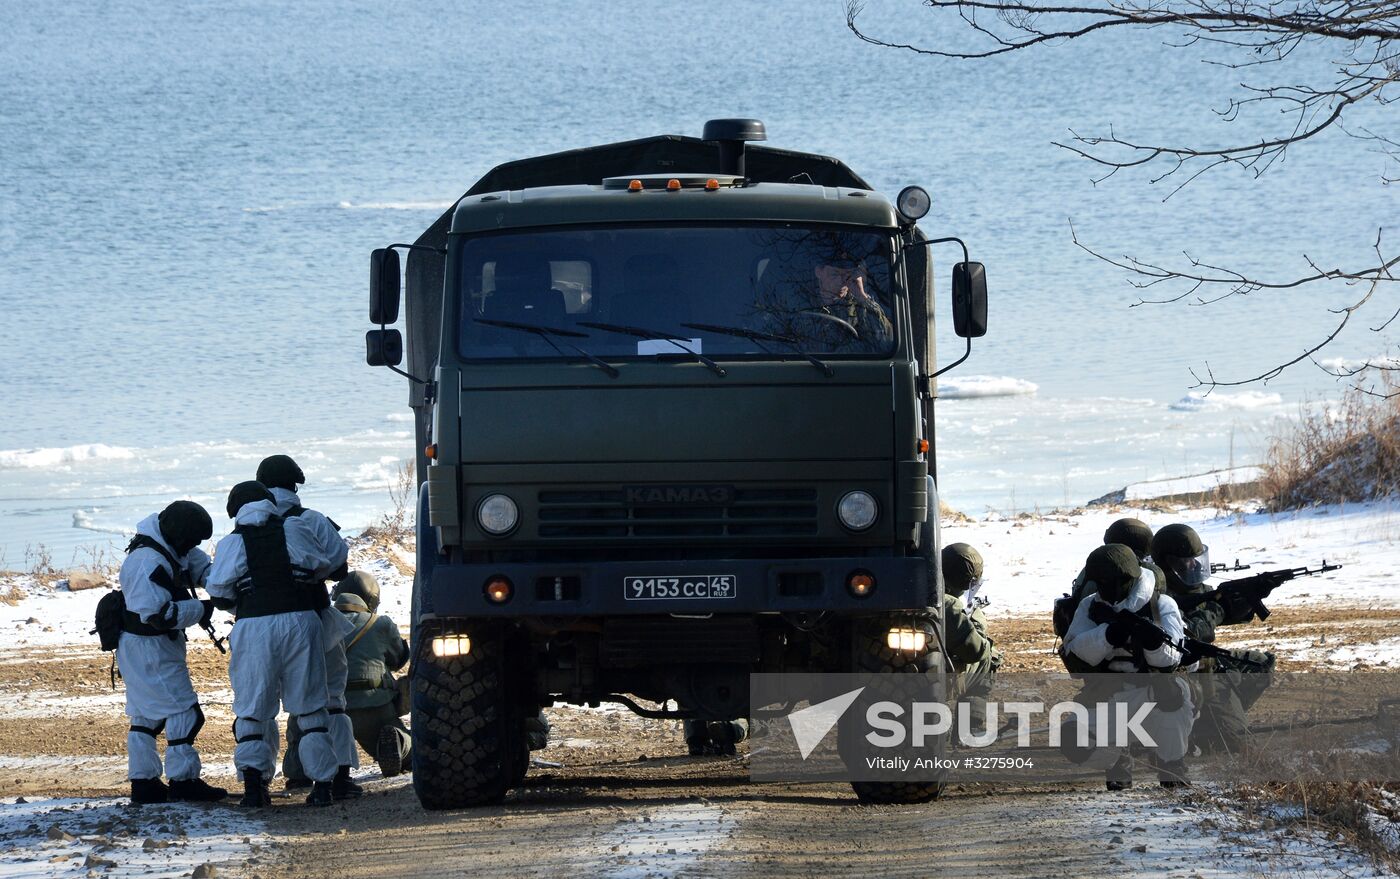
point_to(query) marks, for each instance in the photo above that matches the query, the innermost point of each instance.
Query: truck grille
(753, 512)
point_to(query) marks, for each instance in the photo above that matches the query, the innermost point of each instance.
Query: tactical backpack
(111, 611)
(1063, 614)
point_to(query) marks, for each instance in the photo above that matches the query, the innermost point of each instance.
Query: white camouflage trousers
(279, 659)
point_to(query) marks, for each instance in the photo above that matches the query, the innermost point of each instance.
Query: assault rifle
(1250, 591)
(1144, 631)
(1221, 567)
(214, 636)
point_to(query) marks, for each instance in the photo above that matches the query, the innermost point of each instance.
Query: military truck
(674, 419)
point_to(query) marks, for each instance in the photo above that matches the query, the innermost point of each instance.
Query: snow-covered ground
(108, 837)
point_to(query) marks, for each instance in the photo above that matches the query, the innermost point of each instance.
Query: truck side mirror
(970, 300)
(384, 286)
(383, 347)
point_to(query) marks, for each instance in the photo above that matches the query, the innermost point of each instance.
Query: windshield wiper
(656, 335)
(760, 338)
(545, 333)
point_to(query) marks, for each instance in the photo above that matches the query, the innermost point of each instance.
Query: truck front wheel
(466, 749)
(871, 655)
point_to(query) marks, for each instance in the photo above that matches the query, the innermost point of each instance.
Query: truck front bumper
(670, 587)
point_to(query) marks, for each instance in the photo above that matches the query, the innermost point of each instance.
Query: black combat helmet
(280, 471)
(962, 567)
(361, 584)
(1178, 551)
(185, 525)
(1132, 533)
(247, 493)
(1112, 570)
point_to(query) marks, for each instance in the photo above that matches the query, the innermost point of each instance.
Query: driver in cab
(842, 295)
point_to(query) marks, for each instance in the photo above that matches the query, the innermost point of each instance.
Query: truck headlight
(497, 514)
(858, 510)
(447, 646)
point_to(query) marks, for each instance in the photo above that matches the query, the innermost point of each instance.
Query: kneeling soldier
(162, 566)
(1126, 625)
(374, 651)
(974, 655)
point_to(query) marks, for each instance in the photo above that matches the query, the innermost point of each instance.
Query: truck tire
(465, 752)
(873, 656)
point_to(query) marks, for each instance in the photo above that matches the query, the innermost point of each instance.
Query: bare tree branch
(1364, 36)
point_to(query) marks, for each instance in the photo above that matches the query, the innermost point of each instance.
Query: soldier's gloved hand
(1101, 612)
(208, 618)
(1118, 633)
(1150, 638)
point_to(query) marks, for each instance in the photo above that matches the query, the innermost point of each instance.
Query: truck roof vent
(731, 135)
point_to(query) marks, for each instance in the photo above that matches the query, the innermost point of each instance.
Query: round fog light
(497, 514)
(858, 510)
(860, 584)
(498, 590)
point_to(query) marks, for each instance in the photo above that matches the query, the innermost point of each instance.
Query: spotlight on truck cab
(913, 203)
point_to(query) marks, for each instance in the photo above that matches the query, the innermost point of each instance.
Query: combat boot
(1173, 774)
(342, 788)
(196, 790)
(1120, 774)
(298, 784)
(320, 794)
(145, 791)
(386, 752)
(255, 792)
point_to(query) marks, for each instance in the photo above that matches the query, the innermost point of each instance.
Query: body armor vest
(272, 584)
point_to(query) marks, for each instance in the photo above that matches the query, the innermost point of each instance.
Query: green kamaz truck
(674, 417)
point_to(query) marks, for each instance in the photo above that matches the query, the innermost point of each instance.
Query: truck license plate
(703, 586)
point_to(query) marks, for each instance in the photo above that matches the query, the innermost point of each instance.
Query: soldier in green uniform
(1228, 687)
(974, 656)
(841, 290)
(374, 651)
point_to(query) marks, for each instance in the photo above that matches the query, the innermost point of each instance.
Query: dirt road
(682, 817)
(625, 802)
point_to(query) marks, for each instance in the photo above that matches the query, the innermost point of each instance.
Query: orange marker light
(712, 184)
(430, 452)
(923, 447)
(860, 584)
(634, 186)
(673, 184)
(498, 590)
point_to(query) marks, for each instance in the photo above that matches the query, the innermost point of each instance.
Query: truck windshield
(821, 290)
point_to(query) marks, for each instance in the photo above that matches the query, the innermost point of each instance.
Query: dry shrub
(1344, 453)
(38, 563)
(396, 526)
(948, 514)
(1354, 810)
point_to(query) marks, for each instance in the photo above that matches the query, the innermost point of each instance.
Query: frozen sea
(188, 197)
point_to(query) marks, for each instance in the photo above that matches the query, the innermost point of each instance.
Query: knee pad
(194, 730)
(303, 719)
(1070, 748)
(151, 731)
(248, 737)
